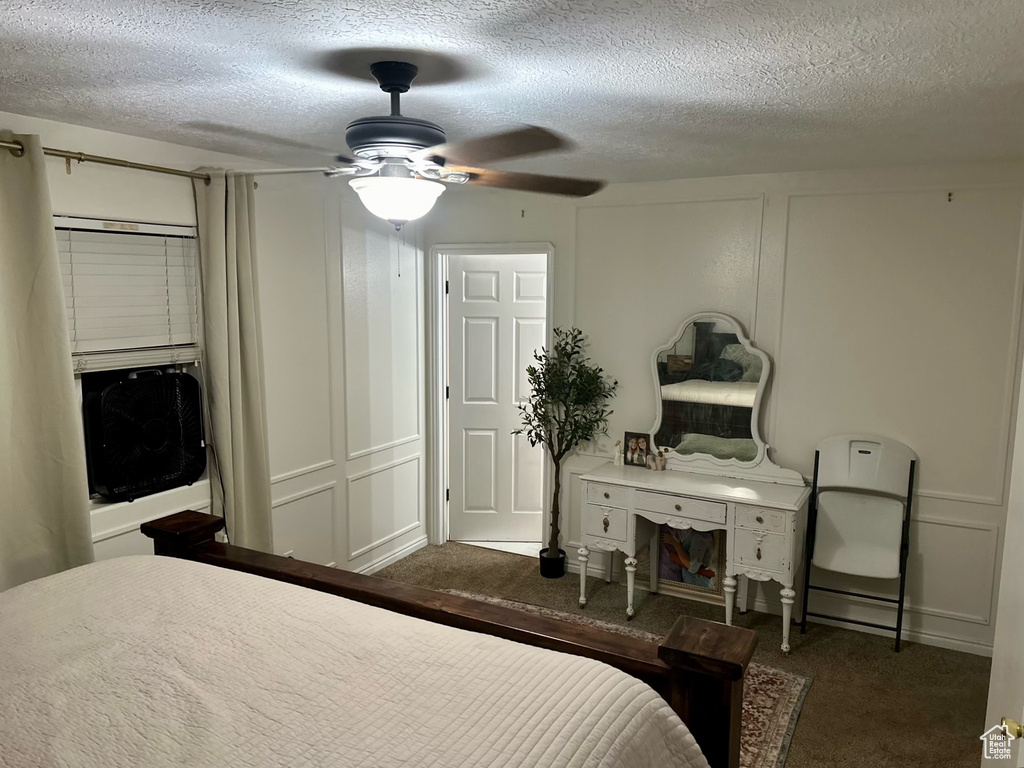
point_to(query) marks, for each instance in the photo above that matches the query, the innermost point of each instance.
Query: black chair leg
(899, 611)
(807, 591)
(904, 553)
(812, 520)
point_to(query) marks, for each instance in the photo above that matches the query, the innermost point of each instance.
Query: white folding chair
(859, 517)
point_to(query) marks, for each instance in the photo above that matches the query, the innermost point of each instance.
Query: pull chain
(401, 246)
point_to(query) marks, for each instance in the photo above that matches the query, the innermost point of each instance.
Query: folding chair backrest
(865, 462)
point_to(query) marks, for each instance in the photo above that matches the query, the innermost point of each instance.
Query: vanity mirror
(709, 383)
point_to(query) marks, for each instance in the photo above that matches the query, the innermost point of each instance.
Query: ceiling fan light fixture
(397, 200)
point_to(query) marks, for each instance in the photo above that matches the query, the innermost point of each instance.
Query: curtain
(233, 357)
(44, 492)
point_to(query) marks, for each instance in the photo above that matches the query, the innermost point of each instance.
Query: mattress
(738, 393)
(146, 661)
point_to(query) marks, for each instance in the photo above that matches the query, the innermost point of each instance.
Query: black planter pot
(552, 567)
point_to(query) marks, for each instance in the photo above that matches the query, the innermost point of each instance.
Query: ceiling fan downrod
(394, 77)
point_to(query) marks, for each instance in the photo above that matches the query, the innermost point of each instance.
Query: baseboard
(761, 605)
(935, 639)
(913, 636)
(392, 557)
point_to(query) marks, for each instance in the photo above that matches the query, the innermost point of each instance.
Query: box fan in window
(144, 434)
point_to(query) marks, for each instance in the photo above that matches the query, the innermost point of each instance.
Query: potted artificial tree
(567, 406)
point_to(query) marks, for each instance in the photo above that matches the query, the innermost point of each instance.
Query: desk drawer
(773, 520)
(605, 522)
(761, 550)
(608, 495)
(681, 506)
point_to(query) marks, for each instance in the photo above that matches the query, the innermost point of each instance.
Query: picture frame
(704, 550)
(636, 447)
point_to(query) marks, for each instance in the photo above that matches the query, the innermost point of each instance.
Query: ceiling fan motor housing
(391, 135)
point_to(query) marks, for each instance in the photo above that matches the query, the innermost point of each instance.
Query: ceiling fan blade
(530, 182)
(519, 142)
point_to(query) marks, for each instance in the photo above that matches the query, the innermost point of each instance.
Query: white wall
(886, 308)
(315, 277)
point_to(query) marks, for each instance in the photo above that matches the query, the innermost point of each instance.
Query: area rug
(772, 698)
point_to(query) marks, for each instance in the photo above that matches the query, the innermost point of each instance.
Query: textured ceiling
(649, 89)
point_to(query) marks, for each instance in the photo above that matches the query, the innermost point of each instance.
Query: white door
(1006, 687)
(497, 317)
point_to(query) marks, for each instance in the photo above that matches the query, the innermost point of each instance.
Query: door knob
(606, 495)
(678, 508)
(1015, 729)
(760, 519)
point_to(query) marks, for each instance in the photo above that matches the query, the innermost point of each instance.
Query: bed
(209, 656)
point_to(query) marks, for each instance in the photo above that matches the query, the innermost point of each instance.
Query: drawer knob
(759, 519)
(606, 495)
(679, 508)
(758, 553)
(606, 525)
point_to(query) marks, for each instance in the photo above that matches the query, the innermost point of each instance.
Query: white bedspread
(146, 661)
(739, 393)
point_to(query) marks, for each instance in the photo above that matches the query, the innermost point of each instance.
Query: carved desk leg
(584, 554)
(787, 614)
(729, 586)
(630, 581)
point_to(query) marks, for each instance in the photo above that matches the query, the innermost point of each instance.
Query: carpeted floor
(867, 705)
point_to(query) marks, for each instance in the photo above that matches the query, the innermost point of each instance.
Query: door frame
(437, 372)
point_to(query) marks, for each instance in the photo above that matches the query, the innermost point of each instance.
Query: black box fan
(144, 434)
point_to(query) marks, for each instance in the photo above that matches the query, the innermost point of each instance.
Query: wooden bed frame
(698, 668)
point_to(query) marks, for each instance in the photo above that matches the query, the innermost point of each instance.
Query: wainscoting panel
(304, 525)
(382, 334)
(642, 269)
(913, 299)
(384, 503)
(295, 264)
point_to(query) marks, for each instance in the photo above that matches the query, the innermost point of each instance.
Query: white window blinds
(132, 296)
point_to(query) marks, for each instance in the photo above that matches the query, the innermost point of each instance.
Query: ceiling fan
(399, 162)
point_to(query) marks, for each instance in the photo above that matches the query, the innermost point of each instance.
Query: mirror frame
(762, 467)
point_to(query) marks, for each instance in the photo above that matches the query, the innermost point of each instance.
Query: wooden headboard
(698, 668)
(708, 345)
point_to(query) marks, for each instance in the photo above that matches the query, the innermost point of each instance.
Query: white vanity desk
(709, 384)
(622, 507)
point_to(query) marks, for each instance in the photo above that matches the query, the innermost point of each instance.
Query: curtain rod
(18, 149)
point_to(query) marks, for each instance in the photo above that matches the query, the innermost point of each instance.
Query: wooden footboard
(698, 668)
